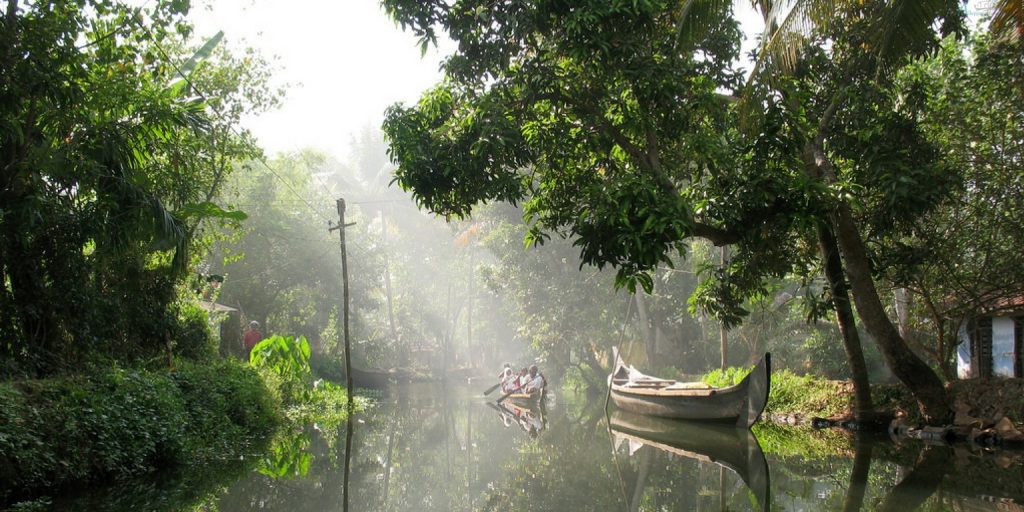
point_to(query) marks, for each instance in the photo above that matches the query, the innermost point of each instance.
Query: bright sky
(347, 60)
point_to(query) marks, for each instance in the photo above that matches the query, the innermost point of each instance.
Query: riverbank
(123, 423)
(986, 412)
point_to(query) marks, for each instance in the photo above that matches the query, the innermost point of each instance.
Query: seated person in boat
(509, 382)
(536, 381)
(523, 379)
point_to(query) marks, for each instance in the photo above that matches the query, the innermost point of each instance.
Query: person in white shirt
(536, 380)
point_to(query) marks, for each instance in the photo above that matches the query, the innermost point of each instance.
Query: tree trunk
(855, 491)
(923, 383)
(403, 354)
(26, 280)
(723, 333)
(919, 378)
(847, 325)
(902, 301)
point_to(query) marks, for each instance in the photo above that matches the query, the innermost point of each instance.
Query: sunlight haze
(346, 62)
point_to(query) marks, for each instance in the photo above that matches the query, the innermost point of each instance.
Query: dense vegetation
(862, 183)
(121, 423)
(628, 128)
(118, 133)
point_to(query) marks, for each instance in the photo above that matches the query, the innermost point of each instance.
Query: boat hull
(724, 407)
(741, 404)
(527, 399)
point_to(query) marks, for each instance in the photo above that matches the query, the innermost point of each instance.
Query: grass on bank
(793, 394)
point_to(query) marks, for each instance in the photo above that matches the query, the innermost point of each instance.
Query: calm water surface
(431, 448)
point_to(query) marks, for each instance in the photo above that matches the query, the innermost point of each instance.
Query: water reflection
(435, 448)
(529, 418)
(731, 448)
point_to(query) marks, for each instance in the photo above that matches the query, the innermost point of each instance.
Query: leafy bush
(126, 422)
(227, 404)
(191, 333)
(286, 358)
(790, 393)
(327, 367)
(729, 377)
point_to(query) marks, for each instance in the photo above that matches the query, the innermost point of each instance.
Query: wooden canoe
(733, 448)
(741, 404)
(529, 399)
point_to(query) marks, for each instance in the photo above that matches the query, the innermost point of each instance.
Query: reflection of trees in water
(428, 450)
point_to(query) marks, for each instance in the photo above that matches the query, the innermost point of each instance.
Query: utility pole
(469, 314)
(387, 282)
(344, 304)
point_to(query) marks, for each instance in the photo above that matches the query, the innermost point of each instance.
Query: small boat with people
(742, 403)
(528, 386)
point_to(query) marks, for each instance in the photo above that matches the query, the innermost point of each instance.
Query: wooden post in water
(344, 301)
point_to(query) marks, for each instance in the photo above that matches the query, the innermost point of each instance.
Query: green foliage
(787, 441)
(326, 405)
(577, 113)
(723, 378)
(288, 457)
(808, 395)
(110, 169)
(963, 257)
(191, 335)
(288, 359)
(125, 422)
(285, 363)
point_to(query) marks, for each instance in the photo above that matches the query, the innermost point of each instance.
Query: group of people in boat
(527, 380)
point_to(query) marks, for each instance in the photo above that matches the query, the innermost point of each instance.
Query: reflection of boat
(643, 394)
(732, 448)
(529, 418)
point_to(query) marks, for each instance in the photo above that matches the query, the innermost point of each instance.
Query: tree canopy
(627, 127)
(110, 158)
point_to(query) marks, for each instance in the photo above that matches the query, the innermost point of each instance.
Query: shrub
(192, 336)
(807, 395)
(728, 377)
(125, 422)
(287, 360)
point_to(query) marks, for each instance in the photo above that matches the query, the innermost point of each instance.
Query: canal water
(448, 448)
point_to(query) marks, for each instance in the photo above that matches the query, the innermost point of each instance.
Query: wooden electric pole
(344, 301)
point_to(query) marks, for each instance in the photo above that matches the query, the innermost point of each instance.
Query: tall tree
(608, 119)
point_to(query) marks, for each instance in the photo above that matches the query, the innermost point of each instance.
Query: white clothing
(536, 383)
